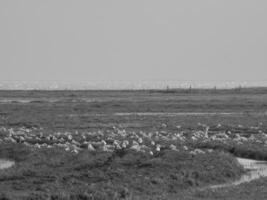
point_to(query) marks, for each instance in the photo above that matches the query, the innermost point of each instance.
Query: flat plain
(145, 144)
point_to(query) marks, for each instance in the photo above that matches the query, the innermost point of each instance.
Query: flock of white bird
(116, 139)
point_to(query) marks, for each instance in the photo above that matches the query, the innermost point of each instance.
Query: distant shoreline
(167, 90)
(129, 85)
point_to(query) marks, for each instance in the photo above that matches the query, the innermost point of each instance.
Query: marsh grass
(57, 174)
(249, 150)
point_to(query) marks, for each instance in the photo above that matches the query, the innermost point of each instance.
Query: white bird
(158, 147)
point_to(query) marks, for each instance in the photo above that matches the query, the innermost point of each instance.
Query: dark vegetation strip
(56, 174)
(245, 150)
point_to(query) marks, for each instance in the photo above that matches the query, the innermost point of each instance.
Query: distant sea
(124, 85)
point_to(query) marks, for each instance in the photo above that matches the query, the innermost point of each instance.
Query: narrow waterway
(255, 170)
(175, 114)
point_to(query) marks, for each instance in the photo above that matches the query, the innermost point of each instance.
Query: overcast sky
(134, 40)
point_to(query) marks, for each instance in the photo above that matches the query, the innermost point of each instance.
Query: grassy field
(70, 110)
(131, 144)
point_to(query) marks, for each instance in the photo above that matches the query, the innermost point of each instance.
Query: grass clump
(57, 174)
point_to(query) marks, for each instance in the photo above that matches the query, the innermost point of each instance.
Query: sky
(119, 40)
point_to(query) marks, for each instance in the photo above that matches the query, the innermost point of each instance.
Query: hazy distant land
(125, 85)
